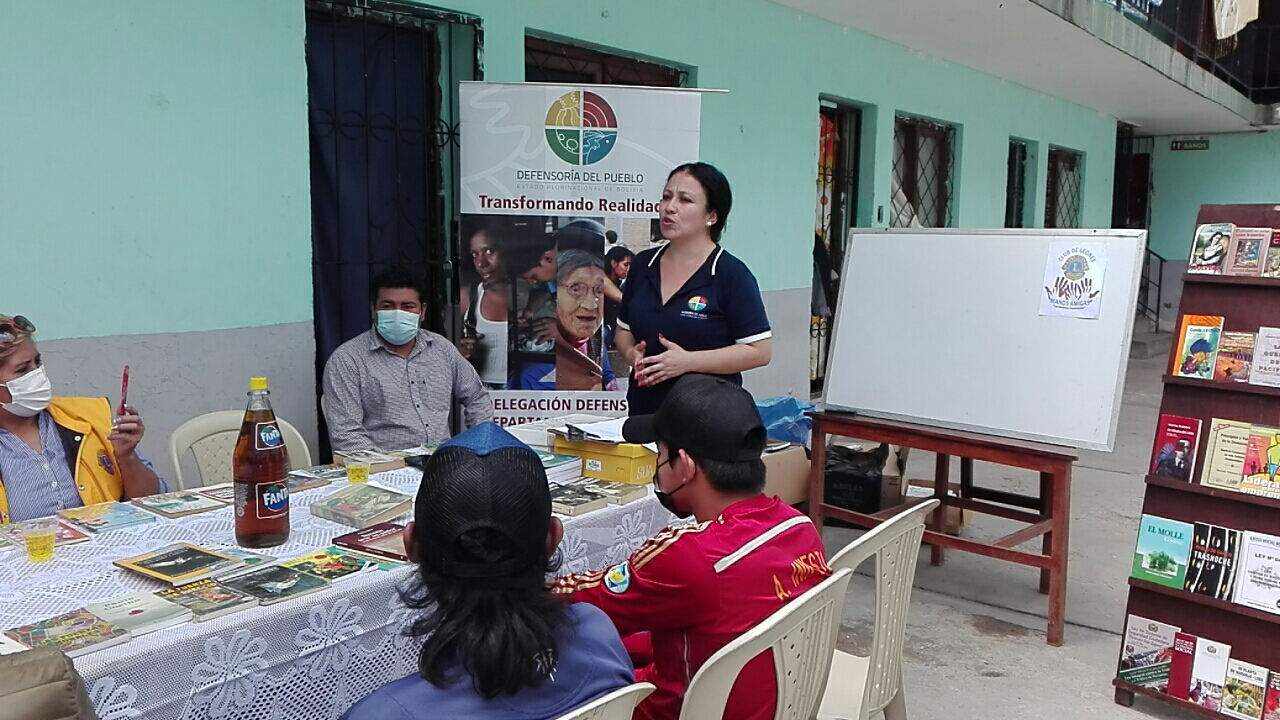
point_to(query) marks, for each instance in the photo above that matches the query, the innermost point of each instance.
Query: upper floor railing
(1249, 60)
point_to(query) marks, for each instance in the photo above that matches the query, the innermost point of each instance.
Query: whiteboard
(943, 328)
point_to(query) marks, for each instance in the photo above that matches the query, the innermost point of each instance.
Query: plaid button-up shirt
(377, 400)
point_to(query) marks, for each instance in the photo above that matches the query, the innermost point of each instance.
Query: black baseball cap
(483, 478)
(707, 416)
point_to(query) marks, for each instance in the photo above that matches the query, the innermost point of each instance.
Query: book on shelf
(64, 535)
(1224, 454)
(1248, 245)
(1258, 572)
(1174, 453)
(1245, 690)
(1184, 656)
(75, 633)
(207, 599)
(141, 613)
(384, 540)
(1162, 551)
(179, 504)
(1211, 569)
(377, 462)
(223, 492)
(1271, 709)
(180, 563)
(1266, 358)
(1235, 357)
(1147, 653)
(1198, 337)
(1262, 463)
(571, 500)
(275, 584)
(334, 564)
(362, 505)
(1209, 248)
(1209, 673)
(9, 646)
(106, 516)
(1271, 257)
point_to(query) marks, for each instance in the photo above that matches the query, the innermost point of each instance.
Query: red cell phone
(124, 390)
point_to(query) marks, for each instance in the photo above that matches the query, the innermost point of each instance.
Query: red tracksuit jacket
(689, 591)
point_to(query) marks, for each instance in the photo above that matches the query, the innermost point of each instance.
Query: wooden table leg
(817, 472)
(1124, 697)
(1046, 509)
(966, 477)
(1058, 578)
(941, 483)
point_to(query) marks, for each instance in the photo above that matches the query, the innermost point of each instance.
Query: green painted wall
(154, 165)
(154, 160)
(1243, 168)
(776, 63)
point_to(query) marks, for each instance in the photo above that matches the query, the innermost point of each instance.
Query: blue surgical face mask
(397, 327)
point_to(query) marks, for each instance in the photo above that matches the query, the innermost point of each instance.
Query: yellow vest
(97, 474)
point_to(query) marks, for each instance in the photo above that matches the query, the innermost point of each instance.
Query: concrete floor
(976, 633)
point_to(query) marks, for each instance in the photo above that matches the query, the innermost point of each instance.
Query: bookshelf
(1245, 303)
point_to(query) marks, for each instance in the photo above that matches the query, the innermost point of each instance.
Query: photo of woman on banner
(485, 298)
(579, 360)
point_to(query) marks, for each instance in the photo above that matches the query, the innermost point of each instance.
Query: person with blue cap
(498, 644)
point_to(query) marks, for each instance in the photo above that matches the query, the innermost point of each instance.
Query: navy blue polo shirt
(719, 306)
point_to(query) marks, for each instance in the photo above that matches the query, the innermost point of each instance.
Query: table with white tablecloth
(309, 657)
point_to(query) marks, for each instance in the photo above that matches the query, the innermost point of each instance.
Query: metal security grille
(923, 159)
(1062, 194)
(837, 186)
(383, 139)
(1015, 191)
(555, 62)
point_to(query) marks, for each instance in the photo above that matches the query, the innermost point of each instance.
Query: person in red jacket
(691, 590)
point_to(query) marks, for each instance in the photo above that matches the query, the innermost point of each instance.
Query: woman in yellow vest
(62, 452)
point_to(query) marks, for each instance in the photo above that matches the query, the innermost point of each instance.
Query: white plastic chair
(859, 687)
(211, 438)
(617, 705)
(802, 635)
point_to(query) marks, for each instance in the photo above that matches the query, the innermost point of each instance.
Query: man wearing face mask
(60, 452)
(394, 386)
(691, 590)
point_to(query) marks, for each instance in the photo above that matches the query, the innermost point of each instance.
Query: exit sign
(1179, 144)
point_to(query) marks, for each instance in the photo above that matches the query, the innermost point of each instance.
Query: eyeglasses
(10, 329)
(578, 290)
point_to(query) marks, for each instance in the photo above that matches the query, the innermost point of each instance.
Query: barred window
(556, 62)
(1062, 189)
(923, 159)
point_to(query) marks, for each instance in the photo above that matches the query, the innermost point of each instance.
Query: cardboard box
(917, 491)
(617, 462)
(786, 474)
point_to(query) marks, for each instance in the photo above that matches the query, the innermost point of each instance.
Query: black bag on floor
(853, 479)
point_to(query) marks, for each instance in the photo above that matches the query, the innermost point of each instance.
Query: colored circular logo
(276, 497)
(1075, 267)
(581, 128)
(270, 435)
(697, 303)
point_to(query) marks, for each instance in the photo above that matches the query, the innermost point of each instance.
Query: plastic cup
(358, 472)
(39, 536)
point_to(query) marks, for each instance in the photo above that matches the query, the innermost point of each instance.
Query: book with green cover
(362, 505)
(335, 564)
(275, 583)
(75, 633)
(1224, 454)
(179, 504)
(1198, 346)
(1162, 551)
(207, 599)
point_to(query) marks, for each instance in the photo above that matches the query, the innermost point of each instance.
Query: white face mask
(31, 394)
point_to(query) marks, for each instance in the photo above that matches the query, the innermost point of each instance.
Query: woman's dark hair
(500, 633)
(618, 253)
(716, 187)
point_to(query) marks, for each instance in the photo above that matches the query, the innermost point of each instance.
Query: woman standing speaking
(689, 306)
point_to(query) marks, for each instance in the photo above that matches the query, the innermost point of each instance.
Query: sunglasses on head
(11, 328)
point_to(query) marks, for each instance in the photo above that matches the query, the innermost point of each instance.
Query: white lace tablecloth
(311, 657)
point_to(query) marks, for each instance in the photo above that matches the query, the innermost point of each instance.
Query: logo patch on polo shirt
(697, 303)
(105, 461)
(618, 579)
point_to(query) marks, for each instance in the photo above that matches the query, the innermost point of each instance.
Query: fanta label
(268, 436)
(273, 499)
